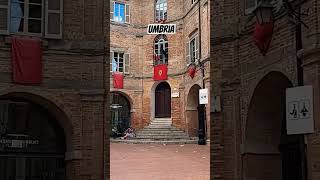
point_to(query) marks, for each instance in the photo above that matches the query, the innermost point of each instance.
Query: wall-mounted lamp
(264, 25)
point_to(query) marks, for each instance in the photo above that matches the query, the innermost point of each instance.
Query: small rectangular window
(161, 10)
(26, 16)
(120, 12)
(193, 53)
(119, 62)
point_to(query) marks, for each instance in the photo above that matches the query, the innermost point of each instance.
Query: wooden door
(163, 101)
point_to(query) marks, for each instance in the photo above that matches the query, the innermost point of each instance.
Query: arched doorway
(192, 111)
(269, 152)
(32, 143)
(120, 112)
(163, 100)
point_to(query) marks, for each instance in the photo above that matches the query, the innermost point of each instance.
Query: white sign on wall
(175, 94)
(203, 96)
(299, 110)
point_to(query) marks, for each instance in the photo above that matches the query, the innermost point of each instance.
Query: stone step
(160, 132)
(168, 137)
(151, 141)
(160, 122)
(161, 135)
(160, 128)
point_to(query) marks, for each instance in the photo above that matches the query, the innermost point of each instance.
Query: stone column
(92, 141)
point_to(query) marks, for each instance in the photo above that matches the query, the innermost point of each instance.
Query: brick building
(249, 139)
(53, 128)
(133, 51)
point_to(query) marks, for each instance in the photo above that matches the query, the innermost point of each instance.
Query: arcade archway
(120, 112)
(32, 142)
(269, 153)
(192, 111)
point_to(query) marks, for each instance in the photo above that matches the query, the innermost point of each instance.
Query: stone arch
(264, 128)
(126, 95)
(152, 95)
(120, 111)
(192, 111)
(251, 89)
(52, 107)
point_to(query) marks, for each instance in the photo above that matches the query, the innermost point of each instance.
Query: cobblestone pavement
(159, 162)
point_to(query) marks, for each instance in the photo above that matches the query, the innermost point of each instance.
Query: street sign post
(299, 110)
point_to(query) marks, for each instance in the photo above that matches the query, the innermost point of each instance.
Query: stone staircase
(160, 130)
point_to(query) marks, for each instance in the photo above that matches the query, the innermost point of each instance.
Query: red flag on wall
(160, 72)
(192, 71)
(26, 56)
(263, 35)
(117, 80)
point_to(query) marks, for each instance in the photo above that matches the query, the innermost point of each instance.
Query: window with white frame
(161, 50)
(119, 62)
(31, 17)
(192, 50)
(161, 10)
(120, 12)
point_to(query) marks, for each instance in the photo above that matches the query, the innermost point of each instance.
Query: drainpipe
(202, 107)
(303, 147)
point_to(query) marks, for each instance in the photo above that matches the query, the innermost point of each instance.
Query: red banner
(263, 35)
(26, 56)
(160, 72)
(117, 80)
(192, 71)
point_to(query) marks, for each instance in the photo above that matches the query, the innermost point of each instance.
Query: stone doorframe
(153, 98)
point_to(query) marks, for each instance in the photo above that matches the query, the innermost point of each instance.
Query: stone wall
(133, 38)
(73, 81)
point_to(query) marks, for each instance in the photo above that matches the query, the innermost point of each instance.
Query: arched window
(161, 10)
(161, 50)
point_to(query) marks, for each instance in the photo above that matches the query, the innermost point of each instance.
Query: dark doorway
(120, 112)
(282, 156)
(292, 149)
(32, 144)
(163, 101)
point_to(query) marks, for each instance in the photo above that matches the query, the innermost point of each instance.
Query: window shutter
(111, 59)
(126, 63)
(127, 13)
(111, 10)
(188, 52)
(4, 16)
(54, 19)
(197, 47)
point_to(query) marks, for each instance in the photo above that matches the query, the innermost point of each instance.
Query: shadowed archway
(266, 145)
(120, 110)
(192, 117)
(33, 141)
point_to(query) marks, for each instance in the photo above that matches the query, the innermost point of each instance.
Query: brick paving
(159, 162)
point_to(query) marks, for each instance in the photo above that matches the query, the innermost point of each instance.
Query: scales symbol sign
(299, 109)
